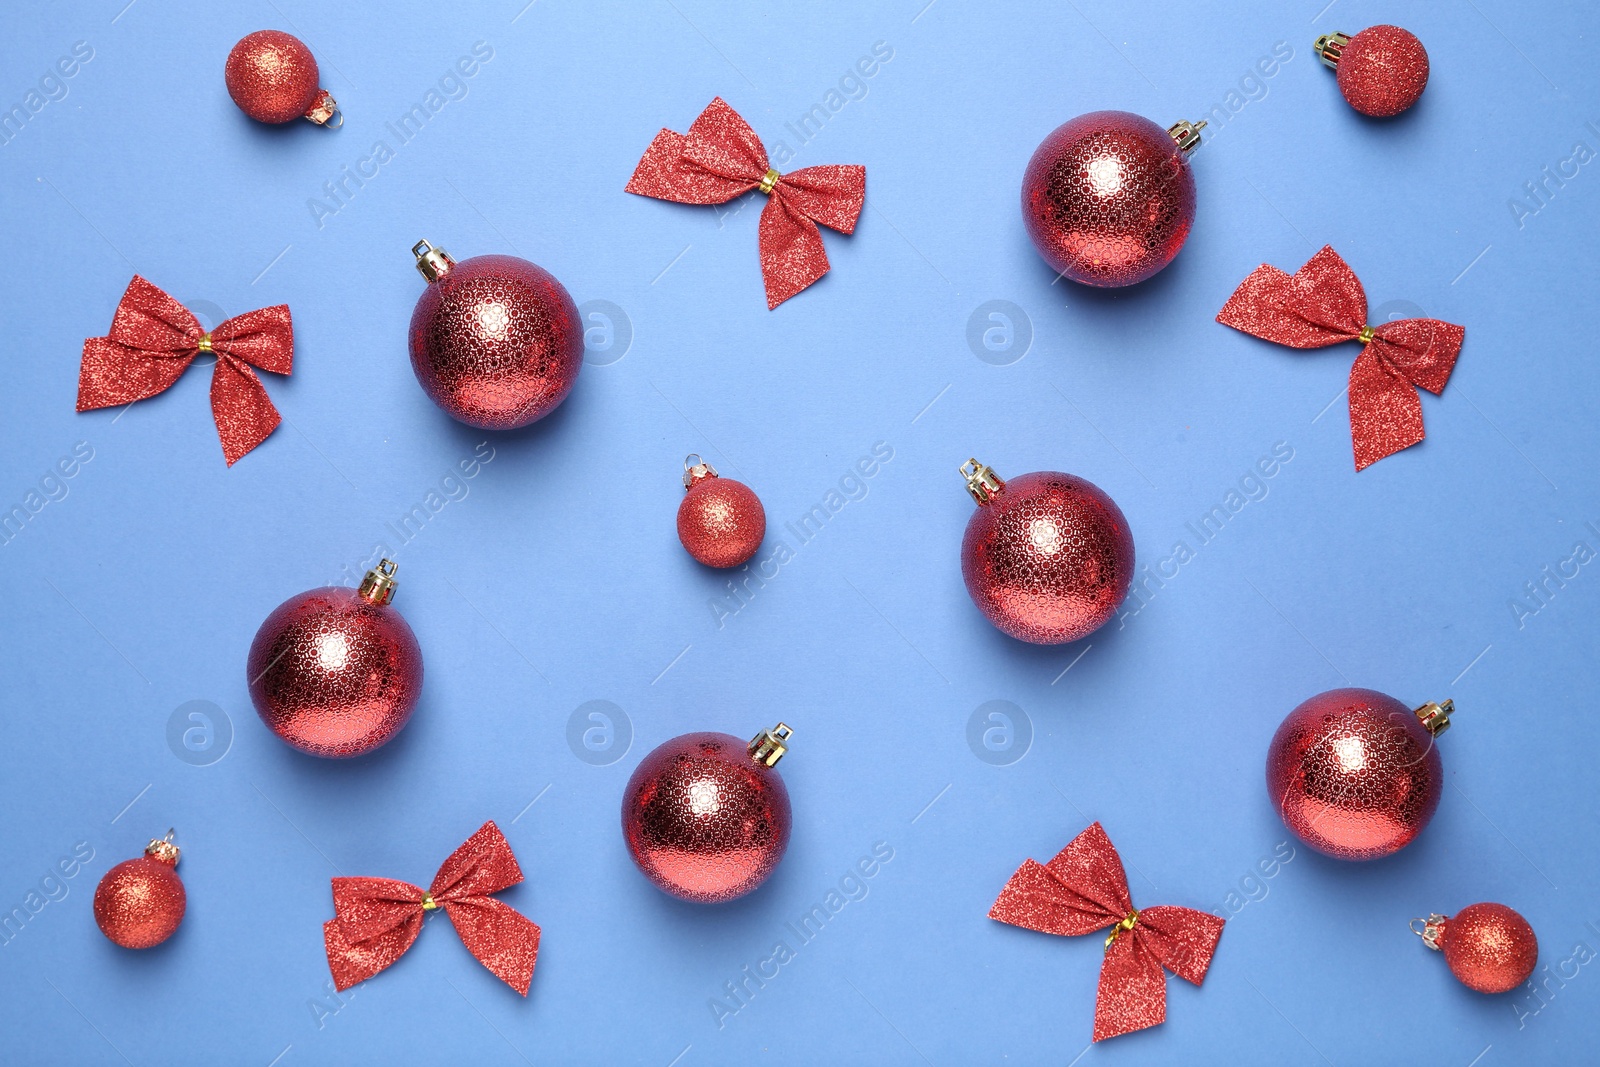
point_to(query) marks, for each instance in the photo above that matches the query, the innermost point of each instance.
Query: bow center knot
(1125, 925)
(428, 903)
(1366, 335)
(204, 344)
(768, 180)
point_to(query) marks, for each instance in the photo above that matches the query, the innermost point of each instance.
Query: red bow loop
(1084, 889)
(152, 341)
(1323, 303)
(721, 158)
(377, 919)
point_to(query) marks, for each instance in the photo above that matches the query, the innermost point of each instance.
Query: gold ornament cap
(162, 850)
(432, 263)
(696, 470)
(1436, 717)
(768, 747)
(323, 109)
(982, 482)
(1186, 134)
(379, 584)
(1330, 46)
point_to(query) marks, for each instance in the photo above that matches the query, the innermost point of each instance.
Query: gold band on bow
(768, 180)
(204, 344)
(1125, 925)
(1366, 335)
(428, 903)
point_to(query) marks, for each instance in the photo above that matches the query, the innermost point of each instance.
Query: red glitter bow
(1083, 890)
(153, 340)
(376, 919)
(721, 158)
(1322, 304)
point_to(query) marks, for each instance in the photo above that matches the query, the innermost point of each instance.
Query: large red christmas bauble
(139, 903)
(495, 340)
(1048, 557)
(1489, 947)
(706, 817)
(336, 672)
(1108, 198)
(720, 521)
(272, 76)
(1356, 774)
(1381, 71)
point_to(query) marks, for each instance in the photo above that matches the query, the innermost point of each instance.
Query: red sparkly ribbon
(376, 919)
(153, 340)
(721, 158)
(1322, 304)
(1083, 890)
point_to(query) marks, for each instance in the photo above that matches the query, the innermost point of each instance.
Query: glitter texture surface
(272, 76)
(496, 342)
(1354, 774)
(721, 158)
(140, 902)
(153, 340)
(1489, 947)
(721, 521)
(1084, 889)
(334, 674)
(1323, 303)
(1049, 558)
(1108, 199)
(1383, 70)
(703, 820)
(377, 919)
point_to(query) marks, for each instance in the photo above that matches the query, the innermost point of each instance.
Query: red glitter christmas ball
(140, 902)
(1489, 947)
(495, 340)
(1356, 774)
(706, 817)
(1048, 557)
(1108, 198)
(273, 77)
(336, 672)
(1381, 71)
(720, 521)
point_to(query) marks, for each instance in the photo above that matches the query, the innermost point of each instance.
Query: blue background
(556, 579)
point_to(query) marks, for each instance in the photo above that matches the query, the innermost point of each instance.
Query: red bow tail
(1323, 303)
(377, 919)
(721, 158)
(1084, 889)
(152, 341)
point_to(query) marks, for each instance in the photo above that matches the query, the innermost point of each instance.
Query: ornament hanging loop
(162, 850)
(982, 482)
(379, 584)
(694, 469)
(1128, 923)
(432, 263)
(1432, 930)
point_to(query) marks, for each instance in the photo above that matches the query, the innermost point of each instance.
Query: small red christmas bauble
(1356, 774)
(720, 521)
(140, 902)
(1048, 557)
(1489, 947)
(1381, 71)
(706, 816)
(495, 340)
(272, 76)
(336, 672)
(1108, 198)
